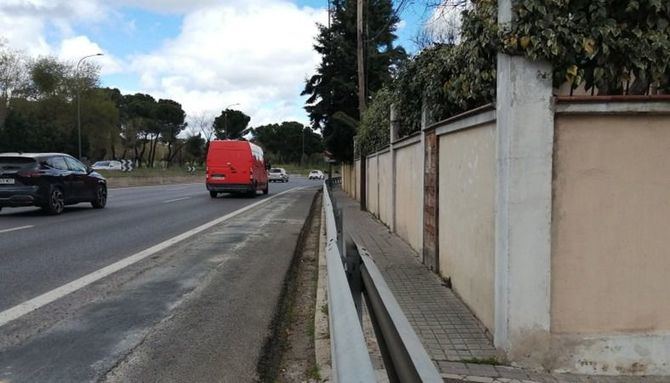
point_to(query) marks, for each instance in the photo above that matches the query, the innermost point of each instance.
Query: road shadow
(7, 212)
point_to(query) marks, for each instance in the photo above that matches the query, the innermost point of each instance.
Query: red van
(235, 167)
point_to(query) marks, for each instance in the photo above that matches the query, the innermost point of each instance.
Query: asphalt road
(198, 310)
(49, 251)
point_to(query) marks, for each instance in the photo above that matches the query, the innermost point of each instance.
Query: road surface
(196, 310)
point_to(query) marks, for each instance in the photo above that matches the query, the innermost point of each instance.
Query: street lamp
(78, 99)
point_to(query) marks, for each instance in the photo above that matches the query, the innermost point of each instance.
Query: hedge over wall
(607, 46)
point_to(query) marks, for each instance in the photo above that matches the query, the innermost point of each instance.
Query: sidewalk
(456, 341)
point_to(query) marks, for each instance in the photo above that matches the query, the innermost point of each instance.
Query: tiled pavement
(453, 337)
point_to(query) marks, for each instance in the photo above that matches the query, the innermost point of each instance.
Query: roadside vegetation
(606, 47)
(40, 97)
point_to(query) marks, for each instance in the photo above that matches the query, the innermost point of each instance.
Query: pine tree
(333, 89)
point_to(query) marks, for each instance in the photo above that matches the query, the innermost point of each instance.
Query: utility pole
(360, 32)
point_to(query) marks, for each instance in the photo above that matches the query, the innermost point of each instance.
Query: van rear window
(16, 163)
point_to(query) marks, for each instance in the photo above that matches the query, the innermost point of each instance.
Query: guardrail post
(339, 225)
(353, 267)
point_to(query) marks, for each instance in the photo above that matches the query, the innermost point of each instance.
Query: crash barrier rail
(349, 353)
(334, 181)
(353, 276)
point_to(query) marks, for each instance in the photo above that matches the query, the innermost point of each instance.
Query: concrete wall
(385, 185)
(357, 180)
(372, 186)
(611, 217)
(466, 216)
(345, 174)
(409, 197)
(348, 179)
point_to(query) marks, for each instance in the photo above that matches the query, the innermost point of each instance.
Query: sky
(204, 54)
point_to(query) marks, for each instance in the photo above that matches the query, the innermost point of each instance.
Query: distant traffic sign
(126, 165)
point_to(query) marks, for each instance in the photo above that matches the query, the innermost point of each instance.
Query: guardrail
(334, 181)
(352, 275)
(349, 354)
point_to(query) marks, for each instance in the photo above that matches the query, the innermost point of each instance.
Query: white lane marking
(51, 296)
(16, 228)
(158, 186)
(176, 199)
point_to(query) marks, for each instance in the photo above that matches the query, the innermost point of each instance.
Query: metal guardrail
(349, 354)
(354, 275)
(334, 181)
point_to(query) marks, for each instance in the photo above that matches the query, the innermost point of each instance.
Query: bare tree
(13, 73)
(443, 22)
(202, 123)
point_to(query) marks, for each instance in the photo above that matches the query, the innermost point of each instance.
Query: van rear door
(229, 164)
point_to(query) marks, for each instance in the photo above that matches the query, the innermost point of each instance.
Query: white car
(316, 175)
(277, 175)
(107, 165)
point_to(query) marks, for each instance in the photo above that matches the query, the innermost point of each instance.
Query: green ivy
(614, 46)
(451, 79)
(373, 131)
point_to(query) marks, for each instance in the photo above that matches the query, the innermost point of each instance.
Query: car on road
(316, 175)
(50, 181)
(277, 175)
(235, 166)
(107, 165)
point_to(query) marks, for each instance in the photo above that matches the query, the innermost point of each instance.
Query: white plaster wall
(344, 172)
(372, 188)
(385, 185)
(409, 194)
(466, 216)
(357, 180)
(610, 264)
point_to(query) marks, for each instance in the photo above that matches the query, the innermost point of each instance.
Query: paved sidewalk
(456, 341)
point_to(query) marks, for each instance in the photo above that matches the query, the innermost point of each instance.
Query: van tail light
(251, 174)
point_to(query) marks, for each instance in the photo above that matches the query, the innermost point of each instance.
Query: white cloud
(173, 6)
(77, 47)
(254, 54)
(24, 22)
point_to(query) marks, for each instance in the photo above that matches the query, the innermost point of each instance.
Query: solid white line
(42, 300)
(157, 186)
(16, 228)
(176, 199)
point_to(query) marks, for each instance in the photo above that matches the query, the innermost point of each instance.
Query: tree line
(38, 113)
(605, 47)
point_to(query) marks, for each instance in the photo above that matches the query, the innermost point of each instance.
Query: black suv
(50, 181)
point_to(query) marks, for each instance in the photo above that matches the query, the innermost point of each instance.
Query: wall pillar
(525, 132)
(430, 201)
(425, 121)
(393, 137)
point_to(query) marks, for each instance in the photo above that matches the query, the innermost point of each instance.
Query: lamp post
(79, 101)
(225, 117)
